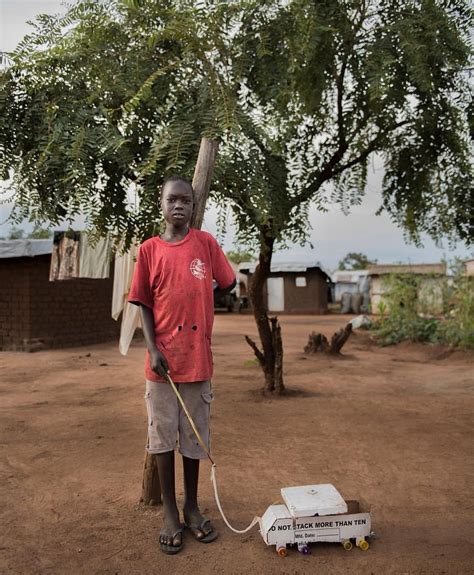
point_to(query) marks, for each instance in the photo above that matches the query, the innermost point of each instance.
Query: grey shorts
(166, 417)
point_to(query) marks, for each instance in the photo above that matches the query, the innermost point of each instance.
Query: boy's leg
(165, 463)
(191, 512)
(198, 397)
(163, 423)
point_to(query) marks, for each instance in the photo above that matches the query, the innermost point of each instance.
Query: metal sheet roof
(382, 269)
(281, 266)
(25, 248)
(348, 276)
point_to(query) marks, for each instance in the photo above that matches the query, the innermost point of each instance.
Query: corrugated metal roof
(348, 276)
(25, 248)
(383, 269)
(285, 267)
(280, 266)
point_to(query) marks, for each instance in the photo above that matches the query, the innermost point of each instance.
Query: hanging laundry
(123, 273)
(94, 261)
(65, 256)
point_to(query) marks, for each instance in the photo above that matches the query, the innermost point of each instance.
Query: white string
(255, 520)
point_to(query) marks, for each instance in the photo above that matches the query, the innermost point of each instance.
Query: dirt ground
(392, 426)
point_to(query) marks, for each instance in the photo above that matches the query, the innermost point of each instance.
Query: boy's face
(177, 203)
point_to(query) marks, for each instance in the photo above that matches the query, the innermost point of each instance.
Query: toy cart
(315, 513)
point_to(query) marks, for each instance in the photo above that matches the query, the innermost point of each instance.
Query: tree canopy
(115, 95)
(98, 105)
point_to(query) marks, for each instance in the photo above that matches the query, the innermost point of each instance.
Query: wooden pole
(202, 179)
(151, 489)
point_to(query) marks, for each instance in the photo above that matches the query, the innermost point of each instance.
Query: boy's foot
(200, 527)
(171, 543)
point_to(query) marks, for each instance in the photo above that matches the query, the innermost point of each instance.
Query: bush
(458, 327)
(406, 317)
(394, 330)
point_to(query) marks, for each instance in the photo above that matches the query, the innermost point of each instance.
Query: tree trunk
(317, 342)
(270, 357)
(151, 490)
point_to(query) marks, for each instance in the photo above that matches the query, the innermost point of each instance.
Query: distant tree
(355, 261)
(39, 233)
(16, 233)
(239, 256)
(457, 266)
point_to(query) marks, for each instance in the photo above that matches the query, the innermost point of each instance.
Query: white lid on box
(309, 500)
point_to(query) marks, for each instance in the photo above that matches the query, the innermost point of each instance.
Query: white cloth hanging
(123, 273)
(94, 261)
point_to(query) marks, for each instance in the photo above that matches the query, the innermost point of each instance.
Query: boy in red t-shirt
(173, 284)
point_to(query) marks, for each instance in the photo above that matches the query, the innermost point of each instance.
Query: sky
(333, 234)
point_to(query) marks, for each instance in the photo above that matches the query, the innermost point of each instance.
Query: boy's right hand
(158, 363)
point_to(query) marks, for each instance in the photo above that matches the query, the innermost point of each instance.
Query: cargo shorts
(167, 419)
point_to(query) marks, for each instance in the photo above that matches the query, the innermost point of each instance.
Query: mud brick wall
(311, 299)
(36, 313)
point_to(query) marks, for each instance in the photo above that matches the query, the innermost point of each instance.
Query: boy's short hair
(176, 178)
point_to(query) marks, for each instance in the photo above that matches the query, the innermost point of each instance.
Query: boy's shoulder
(199, 235)
(147, 244)
(204, 236)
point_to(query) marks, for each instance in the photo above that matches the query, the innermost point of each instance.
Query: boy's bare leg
(165, 463)
(191, 512)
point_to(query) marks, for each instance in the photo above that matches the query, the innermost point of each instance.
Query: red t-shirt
(175, 281)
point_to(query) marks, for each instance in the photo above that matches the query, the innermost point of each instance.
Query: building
(294, 287)
(351, 281)
(430, 290)
(469, 265)
(36, 313)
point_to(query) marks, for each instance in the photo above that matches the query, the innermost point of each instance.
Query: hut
(430, 289)
(294, 287)
(36, 313)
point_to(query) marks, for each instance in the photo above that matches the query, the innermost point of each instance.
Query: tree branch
(330, 170)
(371, 147)
(258, 354)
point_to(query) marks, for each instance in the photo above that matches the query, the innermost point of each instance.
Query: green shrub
(405, 317)
(401, 318)
(457, 328)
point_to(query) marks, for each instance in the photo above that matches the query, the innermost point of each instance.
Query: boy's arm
(222, 271)
(218, 291)
(141, 294)
(158, 361)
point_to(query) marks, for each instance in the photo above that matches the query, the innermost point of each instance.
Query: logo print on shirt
(198, 269)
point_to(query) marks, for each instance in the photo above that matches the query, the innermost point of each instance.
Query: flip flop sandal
(171, 549)
(209, 538)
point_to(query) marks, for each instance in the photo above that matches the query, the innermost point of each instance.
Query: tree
(39, 233)
(240, 255)
(301, 94)
(355, 261)
(325, 86)
(16, 233)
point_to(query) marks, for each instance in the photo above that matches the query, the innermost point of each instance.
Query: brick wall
(36, 313)
(311, 299)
